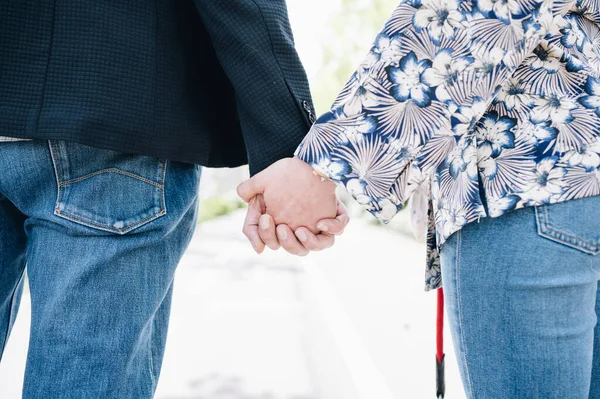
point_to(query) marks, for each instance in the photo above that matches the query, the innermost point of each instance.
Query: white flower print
(356, 188)
(499, 206)
(487, 164)
(572, 35)
(543, 131)
(485, 61)
(466, 118)
(440, 17)
(496, 132)
(410, 80)
(359, 97)
(554, 108)
(514, 96)
(592, 99)
(547, 182)
(453, 220)
(334, 169)
(361, 127)
(587, 156)
(501, 8)
(387, 49)
(386, 210)
(445, 68)
(548, 59)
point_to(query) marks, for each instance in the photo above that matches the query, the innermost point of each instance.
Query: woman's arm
(433, 71)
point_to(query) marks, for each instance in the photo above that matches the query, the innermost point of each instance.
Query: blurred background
(352, 322)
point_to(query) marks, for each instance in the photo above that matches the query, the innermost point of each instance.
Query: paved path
(349, 323)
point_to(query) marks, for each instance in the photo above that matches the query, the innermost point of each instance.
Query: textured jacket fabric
(217, 83)
(489, 105)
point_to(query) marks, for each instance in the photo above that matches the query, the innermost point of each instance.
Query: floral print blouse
(488, 105)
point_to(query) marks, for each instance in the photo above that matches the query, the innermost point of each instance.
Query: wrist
(322, 178)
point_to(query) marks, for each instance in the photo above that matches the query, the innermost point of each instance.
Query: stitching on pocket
(124, 230)
(547, 231)
(111, 170)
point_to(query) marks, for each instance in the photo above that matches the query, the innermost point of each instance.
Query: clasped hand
(290, 207)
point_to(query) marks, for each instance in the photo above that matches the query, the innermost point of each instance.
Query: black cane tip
(440, 377)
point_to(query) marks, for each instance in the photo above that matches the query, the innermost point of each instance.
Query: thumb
(250, 188)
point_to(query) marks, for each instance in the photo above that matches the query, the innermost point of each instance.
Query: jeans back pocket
(575, 223)
(107, 190)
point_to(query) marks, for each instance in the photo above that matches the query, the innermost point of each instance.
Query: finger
(250, 188)
(250, 228)
(314, 242)
(289, 242)
(266, 230)
(335, 226)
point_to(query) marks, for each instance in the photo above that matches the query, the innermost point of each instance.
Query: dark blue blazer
(212, 82)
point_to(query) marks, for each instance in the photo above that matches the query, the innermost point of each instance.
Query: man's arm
(254, 42)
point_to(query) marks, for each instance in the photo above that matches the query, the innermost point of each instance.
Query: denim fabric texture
(101, 233)
(522, 301)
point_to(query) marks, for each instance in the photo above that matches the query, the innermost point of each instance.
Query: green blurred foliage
(348, 38)
(212, 208)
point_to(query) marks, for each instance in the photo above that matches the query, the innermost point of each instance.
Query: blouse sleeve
(432, 72)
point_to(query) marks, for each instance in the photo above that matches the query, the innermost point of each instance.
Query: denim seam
(163, 179)
(111, 170)
(151, 362)
(10, 313)
(547, 231)
(469, 386)
(55, 164)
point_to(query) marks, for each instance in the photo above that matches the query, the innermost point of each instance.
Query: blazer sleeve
(430, 76)
(254, 43)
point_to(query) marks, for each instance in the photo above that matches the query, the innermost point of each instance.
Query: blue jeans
(101, 233)
(522, 302)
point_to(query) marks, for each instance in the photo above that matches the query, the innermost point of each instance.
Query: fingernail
(264, 223)
(322, 227)
(254, 246)
(301, 235)
(283, 234)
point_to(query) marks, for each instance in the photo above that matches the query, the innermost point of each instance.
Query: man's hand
(297, 202)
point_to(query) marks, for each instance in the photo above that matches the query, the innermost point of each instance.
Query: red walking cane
(439, 357)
